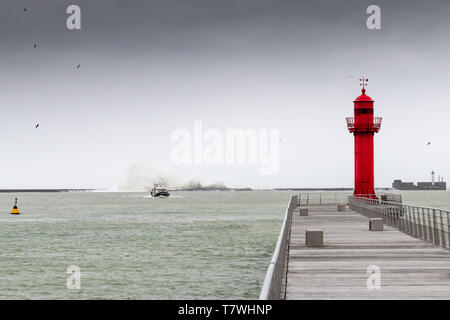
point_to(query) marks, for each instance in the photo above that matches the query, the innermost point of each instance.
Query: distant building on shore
(433, 185)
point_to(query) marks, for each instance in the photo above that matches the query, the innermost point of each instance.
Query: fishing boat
(159, 192)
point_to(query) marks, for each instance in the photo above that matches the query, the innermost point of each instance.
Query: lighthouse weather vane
(363, 82)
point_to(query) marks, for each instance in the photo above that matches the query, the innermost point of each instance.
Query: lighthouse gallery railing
(428, 224)
(275, 280)
(375, 124)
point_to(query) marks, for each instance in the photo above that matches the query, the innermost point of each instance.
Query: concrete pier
(409, 267)
(352, 258)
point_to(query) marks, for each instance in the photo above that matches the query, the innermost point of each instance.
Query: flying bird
(37, 125)
(25, 9)
(428, 143)
(78, 66)
(35, 45)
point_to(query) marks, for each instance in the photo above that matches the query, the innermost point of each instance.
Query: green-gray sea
(192, 245)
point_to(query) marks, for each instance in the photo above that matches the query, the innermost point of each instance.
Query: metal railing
(428, 224)
(391, 197)
(317, 198)
(350, 122)
(275, 280)
(375, 124)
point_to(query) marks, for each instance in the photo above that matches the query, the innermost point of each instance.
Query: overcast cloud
(151, 67)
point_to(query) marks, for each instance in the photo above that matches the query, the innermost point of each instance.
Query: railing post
(420, 223)
(408, 220)
(436, 233)
(413, 230)
(425, 230)
(394, 217)
(430, 228)
(388, 215)
(393, 212)
(448, 229)
(405, 220)
(424, 226)
(377, 210)
(443, 244)
(413, 217)
(400, 219)
(419, 226)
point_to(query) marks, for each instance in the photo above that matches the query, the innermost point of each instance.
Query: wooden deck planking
(410, 268)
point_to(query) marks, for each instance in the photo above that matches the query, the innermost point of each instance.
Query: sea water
(196, 245)
(192, 245)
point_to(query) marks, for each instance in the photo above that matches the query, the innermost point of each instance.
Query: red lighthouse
(364, 125)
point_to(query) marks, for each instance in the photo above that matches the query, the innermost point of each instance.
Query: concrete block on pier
(303, 211)
(376, 224)
(314, 238)
(341, 207)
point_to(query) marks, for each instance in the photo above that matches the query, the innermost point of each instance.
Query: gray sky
(151, 67)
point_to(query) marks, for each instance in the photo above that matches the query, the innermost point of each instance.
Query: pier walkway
(410, 268)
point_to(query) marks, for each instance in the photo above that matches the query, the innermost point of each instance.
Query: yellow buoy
(14, 209)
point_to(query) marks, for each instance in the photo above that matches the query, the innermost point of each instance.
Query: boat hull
(161, 194)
